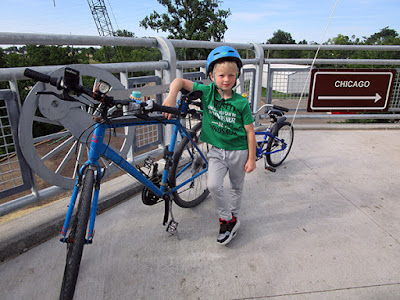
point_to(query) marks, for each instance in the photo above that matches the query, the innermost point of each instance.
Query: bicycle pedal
(270, 169)
(172, 227)
(148, 162)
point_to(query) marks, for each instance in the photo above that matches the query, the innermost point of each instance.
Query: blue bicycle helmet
(225, 53)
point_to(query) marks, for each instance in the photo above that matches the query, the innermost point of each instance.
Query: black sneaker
(227, 230)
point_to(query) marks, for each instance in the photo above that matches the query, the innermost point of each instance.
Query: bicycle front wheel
(77, 237)
(188, 163)
(279, 147)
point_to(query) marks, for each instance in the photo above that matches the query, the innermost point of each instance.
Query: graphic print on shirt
(224, 115)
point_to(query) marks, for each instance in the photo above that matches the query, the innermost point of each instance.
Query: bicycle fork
(72, 203)
(94, 155)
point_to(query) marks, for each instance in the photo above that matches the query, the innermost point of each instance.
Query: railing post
(124, 79)
(18, 106)
(204, 70)
(9, 128)
(268, 97)
(240, 86)
(168, 53)
(259, 52)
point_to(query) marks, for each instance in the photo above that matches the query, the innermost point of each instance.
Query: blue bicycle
(277, 139)
(183, 179)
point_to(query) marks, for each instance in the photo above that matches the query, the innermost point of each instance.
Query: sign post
(350, 89)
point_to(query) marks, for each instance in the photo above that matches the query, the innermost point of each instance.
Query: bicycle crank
(148, 197)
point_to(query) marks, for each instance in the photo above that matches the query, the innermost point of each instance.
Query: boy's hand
(176, 85)
(169, 101)
(250, 166)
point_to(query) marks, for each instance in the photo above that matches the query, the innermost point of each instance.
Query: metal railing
(280, 84)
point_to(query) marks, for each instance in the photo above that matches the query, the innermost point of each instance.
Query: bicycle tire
(187, 155)
(283, 131)
(77, 237)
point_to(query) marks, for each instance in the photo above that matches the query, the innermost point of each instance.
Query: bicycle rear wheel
(279, 147)
(186, 164)
(77, 237)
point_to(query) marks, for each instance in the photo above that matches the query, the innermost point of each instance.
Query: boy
(228, 127)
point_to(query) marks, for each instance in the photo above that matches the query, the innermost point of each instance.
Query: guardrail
(17, 175)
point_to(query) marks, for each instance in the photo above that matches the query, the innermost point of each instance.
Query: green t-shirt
(223, 121)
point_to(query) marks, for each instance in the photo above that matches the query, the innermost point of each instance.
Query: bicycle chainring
(148, 197)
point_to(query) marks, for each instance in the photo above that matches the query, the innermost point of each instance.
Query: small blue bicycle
(277, 139)
(183, 179)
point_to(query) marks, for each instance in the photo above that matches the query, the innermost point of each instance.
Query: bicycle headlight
(103, 87)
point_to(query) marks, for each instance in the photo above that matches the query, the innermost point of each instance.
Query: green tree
(283, 37)
(50, 55)
(341, 39)
(385, 36)
(126, 53)
(190, 20)
(16, 60)
(2, 59)
(136, 53)
(3, 64)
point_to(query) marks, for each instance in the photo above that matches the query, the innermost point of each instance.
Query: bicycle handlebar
(272, 106)
(60, 83)
(37, 76)
(71, 84)
(167, 109)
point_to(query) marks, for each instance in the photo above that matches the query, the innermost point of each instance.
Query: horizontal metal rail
(323, 61)
(169, 68)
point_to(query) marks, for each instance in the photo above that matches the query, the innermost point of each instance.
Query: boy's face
(225, 75)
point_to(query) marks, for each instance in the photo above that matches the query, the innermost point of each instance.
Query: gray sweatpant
(220, 163)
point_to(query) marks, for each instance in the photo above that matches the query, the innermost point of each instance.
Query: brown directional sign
(350, 89)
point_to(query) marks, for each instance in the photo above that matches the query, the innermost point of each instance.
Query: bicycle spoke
(78, 161)
(189, 169)
(51, 136)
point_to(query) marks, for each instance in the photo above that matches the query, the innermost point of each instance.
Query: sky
(251, 21)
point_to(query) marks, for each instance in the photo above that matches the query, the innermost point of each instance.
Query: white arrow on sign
(376, 98)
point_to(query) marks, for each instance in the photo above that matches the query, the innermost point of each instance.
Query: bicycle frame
(267, 135)
(99, 149)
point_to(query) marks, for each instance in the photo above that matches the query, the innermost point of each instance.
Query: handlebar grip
(281, 108)
(40, 77)
(167, 109)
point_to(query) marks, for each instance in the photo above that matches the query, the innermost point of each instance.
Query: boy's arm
(251, 143)
(176, 85)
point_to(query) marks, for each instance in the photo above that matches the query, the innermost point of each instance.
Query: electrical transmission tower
(101, 18)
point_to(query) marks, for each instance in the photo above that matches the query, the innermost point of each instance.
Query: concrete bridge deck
(324, 226)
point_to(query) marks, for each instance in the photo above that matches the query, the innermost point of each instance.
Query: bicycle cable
(313, 63)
